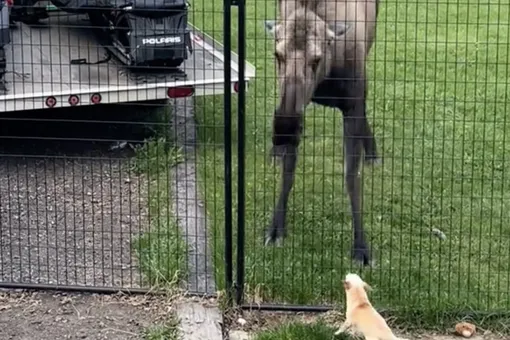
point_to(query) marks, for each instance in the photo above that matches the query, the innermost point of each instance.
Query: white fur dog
(360, 316)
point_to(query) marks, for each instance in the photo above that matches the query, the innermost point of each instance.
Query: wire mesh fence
(129, 195)
(435, 211)
(100, 155)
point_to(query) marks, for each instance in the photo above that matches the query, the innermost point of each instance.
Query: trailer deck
(39, 67)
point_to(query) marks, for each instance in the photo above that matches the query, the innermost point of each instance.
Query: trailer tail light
(236, 86)
(95, 98)
(9, 3)
(51, 101)
(73, 100)
(180, 92)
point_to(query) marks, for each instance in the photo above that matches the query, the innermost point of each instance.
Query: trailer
(62, 64)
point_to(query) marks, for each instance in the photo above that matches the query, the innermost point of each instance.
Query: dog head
(355, 281)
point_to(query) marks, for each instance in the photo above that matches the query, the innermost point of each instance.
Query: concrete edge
(198, 322)
(187, 205)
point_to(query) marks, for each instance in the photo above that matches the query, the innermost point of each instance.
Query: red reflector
(51, 101)
(236, 86)
(73, 100)
(9, 3)
(180, 92)
(95, 98)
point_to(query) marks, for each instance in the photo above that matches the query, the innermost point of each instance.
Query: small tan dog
(360, 316)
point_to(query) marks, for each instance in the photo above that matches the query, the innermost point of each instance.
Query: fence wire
(100, 154)
(435, 211)
(132, 189)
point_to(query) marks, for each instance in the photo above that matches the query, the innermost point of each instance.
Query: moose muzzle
(287, 120)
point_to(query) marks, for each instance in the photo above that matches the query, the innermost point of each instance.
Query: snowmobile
(138, 32)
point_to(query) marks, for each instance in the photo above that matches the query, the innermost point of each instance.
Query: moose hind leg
(276, 230)
(353, 146)
(369, 144)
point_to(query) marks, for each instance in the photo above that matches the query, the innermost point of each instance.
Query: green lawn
(299, 331)
(438, 86)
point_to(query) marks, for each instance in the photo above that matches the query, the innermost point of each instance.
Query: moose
(321, 48)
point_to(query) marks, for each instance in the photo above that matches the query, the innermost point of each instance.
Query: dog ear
(367, 286)
(347, 285)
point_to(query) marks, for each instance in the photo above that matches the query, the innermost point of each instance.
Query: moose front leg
(369, 143)
(353, 148)
(286, 137)
(276, 230)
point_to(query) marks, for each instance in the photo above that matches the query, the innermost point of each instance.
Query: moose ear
(270, 26)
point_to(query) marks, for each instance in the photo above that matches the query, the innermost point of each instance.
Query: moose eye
(315, 63)
(278, 57)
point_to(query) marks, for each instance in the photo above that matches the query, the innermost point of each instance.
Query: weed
(161, 249)
(166, 331)
(300, 331)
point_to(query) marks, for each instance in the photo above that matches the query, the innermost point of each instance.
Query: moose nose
(292, 98)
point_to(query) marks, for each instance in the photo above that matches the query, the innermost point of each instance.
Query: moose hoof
(274, 236)
(372, 160)
(361, 255)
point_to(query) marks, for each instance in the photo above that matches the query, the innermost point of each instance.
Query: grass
(299, 331)
(437, 100)
(161, 250)
(166, 331)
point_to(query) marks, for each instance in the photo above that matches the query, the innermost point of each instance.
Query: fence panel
(435, 210)
(134, 193)
(106, 180)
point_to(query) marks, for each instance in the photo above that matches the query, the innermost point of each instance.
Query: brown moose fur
(321, 48)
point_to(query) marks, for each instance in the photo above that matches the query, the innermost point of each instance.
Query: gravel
(69, 206)
(69, 222)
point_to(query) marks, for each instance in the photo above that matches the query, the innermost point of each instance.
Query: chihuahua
(360, 316)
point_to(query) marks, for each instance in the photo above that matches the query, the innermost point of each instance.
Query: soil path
(47, 316)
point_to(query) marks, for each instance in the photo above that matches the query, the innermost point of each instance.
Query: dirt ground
(55, 316)
(69, 204)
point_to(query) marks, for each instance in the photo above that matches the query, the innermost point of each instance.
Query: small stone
(241, 321)
(465, 329)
